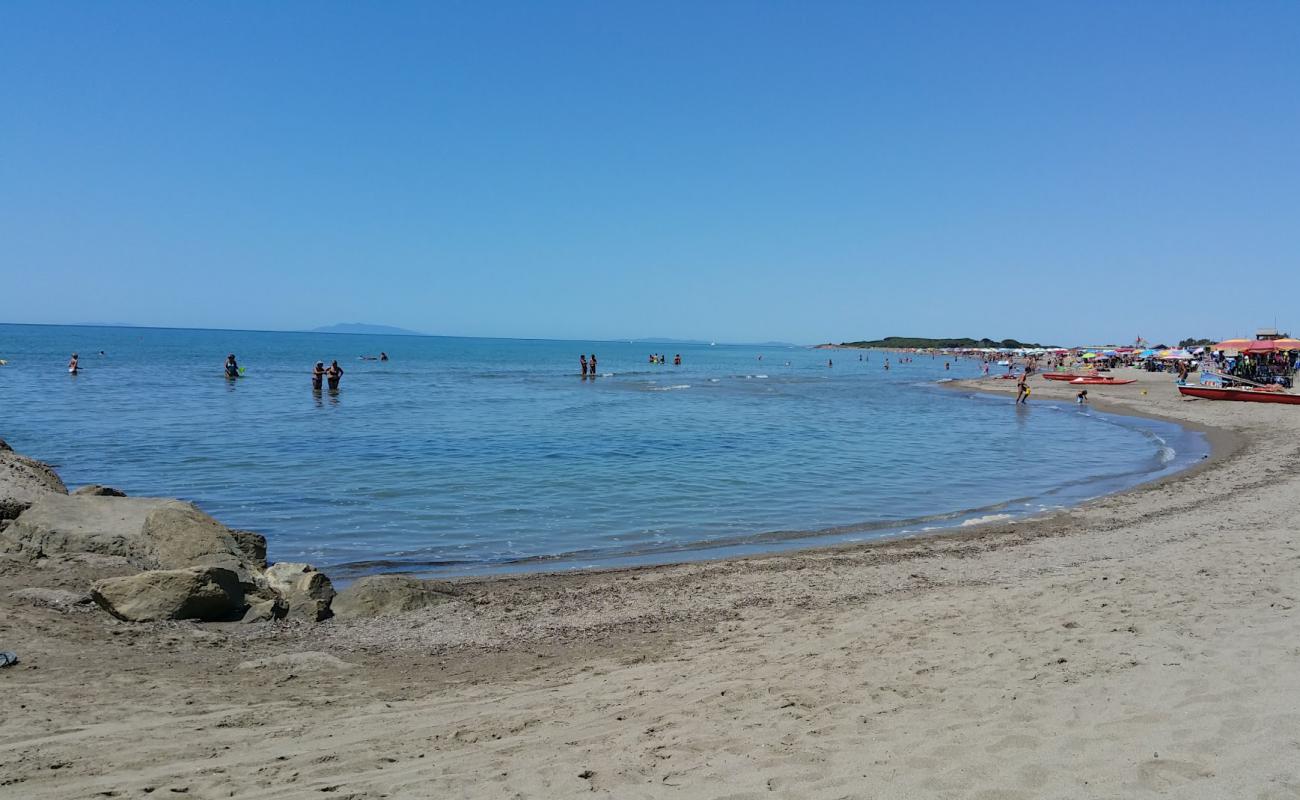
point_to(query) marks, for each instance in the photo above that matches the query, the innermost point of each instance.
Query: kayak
(1064, 376)
(1240, 393)
(1102, 381)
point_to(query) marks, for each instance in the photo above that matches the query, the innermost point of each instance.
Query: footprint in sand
(1161, 773)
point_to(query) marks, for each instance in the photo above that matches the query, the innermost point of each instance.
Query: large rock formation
(204, 593)
(169, 538)
(150, 533)
(385, 595)
(23, 481)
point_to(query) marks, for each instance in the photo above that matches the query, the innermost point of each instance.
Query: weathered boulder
(96, 490)
(267, 610)
(183, 536)
(59, 599)
(253, 546)
(385, 595)
(150, 533)
(23, 481)
(58, 524)
(307, 591)
(204, 593)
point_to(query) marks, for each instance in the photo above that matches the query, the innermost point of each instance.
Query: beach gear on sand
(8, 658)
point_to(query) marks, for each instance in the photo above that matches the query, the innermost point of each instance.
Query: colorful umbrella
(1272, 345)
(1234, 344)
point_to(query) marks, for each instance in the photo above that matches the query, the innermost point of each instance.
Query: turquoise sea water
(466, 456)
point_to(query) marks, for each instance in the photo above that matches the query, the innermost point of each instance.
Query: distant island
(918, 342)
(365, 328)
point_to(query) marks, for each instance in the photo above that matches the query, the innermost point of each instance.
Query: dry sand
(1146, 644)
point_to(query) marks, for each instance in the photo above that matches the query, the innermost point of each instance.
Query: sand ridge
(1141, 645)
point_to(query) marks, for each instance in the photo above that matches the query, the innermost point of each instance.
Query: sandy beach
(1144, 644)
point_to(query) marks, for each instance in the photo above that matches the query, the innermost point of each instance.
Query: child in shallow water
(1082, 398)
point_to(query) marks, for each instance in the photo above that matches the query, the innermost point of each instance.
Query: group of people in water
(660, 358)
(588, 368)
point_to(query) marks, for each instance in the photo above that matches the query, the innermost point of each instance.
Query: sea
(463, 456)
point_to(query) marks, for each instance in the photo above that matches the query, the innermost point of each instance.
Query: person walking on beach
(333, 374)
(232, 366)
(1022, 389)
(72, 365)
(317, 376)
(582, 360)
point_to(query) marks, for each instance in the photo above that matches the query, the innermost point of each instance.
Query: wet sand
(1145, 644)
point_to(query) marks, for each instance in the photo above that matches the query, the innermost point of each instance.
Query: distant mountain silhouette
(363, 327)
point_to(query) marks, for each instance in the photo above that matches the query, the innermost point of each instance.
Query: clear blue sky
(738, 171)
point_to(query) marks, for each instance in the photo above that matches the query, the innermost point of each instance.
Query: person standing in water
(677, 359)
(333, 374)
(232, 366)
(593, 365)
(1022, 389)
(383, 356)
(72, 365)
(317, 375)
(582, 361)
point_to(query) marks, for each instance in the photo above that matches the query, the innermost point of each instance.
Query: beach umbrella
(1272, 345)
(1234, 344)
(1089, 355)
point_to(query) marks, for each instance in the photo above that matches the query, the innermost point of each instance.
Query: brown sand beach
(1145, 644)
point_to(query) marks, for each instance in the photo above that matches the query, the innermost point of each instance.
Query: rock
(23, 481)
(253, 546)
(307, 591)
(204, 593)
(4, 447)
(59, 524)
(385, 595)
(183, 536)
(51, 598)
(150, 533)
(95, 490)
(267, 610)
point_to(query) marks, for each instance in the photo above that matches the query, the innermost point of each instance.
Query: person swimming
(72, 365)
(317, 375)
(333, 374)
(232, 366)
(383, 356)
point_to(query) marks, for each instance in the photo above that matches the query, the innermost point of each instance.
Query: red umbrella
(1234, 344)
(1272, 345)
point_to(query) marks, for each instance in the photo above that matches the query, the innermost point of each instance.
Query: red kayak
(1102, 381)
(1242, 394)
(1064, 376)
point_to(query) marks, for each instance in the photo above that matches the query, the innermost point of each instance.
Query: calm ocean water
(478, 455)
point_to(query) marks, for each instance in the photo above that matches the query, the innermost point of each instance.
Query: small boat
(1103, 381)
(1241, 393)
(1064, 376)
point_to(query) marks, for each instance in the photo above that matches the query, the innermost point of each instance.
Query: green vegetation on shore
(901, 342)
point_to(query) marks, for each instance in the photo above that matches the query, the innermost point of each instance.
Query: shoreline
(1139, 644)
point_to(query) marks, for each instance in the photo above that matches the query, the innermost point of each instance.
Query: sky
(1060, 172)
